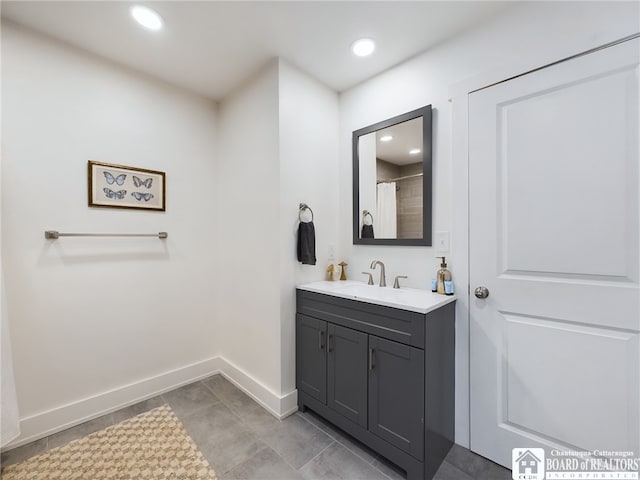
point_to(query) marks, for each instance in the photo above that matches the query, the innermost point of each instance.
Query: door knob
(481, 292)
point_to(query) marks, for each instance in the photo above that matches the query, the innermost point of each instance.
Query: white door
(553, 226)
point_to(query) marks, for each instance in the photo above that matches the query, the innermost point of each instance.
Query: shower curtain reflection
(386, 222)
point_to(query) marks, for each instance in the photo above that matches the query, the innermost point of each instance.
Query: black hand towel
(307, 243)
(367, 231)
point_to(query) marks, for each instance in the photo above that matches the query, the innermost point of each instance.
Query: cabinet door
(311, 357)
(396, 394)
(347, 373)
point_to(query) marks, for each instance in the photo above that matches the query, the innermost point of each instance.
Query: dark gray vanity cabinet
(311, 374)
(332, 366)
(347, 373)
(383, 375)
(396, 394)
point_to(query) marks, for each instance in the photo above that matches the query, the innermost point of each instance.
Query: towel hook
(366, 213)
(303, 207)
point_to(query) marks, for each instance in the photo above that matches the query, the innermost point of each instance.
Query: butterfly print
(142, 196)
(119, 195)
(110, 178)
(142, 183)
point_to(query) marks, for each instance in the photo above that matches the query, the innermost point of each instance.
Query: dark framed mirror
(392, 174)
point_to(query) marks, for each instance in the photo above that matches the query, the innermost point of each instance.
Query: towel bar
(54, 234)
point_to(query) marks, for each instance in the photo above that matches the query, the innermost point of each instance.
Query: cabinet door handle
(320, 339)
(329, 343)
(371, 359)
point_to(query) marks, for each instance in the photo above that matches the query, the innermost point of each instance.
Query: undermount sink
(374, 292)
(412, 299)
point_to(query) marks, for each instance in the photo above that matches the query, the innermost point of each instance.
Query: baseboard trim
(280, 406)
(47, 423)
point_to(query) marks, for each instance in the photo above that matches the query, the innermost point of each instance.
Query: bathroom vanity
(379, 364)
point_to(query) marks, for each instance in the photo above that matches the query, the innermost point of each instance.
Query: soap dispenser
(444, 279)
(330, 270)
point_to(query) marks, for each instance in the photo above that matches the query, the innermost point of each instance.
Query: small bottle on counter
(448, 287)
(443, 276)
(330, 270)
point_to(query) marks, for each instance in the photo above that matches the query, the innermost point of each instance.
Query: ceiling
(405, 137)
(210, 47)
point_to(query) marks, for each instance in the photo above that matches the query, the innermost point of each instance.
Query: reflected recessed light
(146, 17)
(386, 138)
(363, 47)
(414, 151)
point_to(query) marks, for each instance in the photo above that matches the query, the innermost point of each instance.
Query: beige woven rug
(151, 446)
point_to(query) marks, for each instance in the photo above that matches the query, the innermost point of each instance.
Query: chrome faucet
(383, 282)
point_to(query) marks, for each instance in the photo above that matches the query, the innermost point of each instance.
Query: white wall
(308, 174)
(99, 323)
(247, 209)
(278, 148)
(530, 34)
(92, 317)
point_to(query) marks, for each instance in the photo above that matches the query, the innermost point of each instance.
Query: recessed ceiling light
(363, 47)
(414, 151)
(386, 138)
(146, 17)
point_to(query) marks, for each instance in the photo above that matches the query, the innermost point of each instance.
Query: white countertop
(411, 299)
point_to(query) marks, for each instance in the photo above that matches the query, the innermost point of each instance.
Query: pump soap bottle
(444, 279)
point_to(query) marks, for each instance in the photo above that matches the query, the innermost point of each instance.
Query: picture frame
(120, 186)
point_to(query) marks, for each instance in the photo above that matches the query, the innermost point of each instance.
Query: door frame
(459, 98)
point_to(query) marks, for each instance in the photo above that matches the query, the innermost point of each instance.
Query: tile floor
(242, 441)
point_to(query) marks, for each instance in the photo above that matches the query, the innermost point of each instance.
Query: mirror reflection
(391, 176)
(392, 181)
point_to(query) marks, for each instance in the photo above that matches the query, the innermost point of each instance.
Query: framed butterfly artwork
(118, 186)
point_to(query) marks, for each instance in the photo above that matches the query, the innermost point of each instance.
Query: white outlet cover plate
(442, 241)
